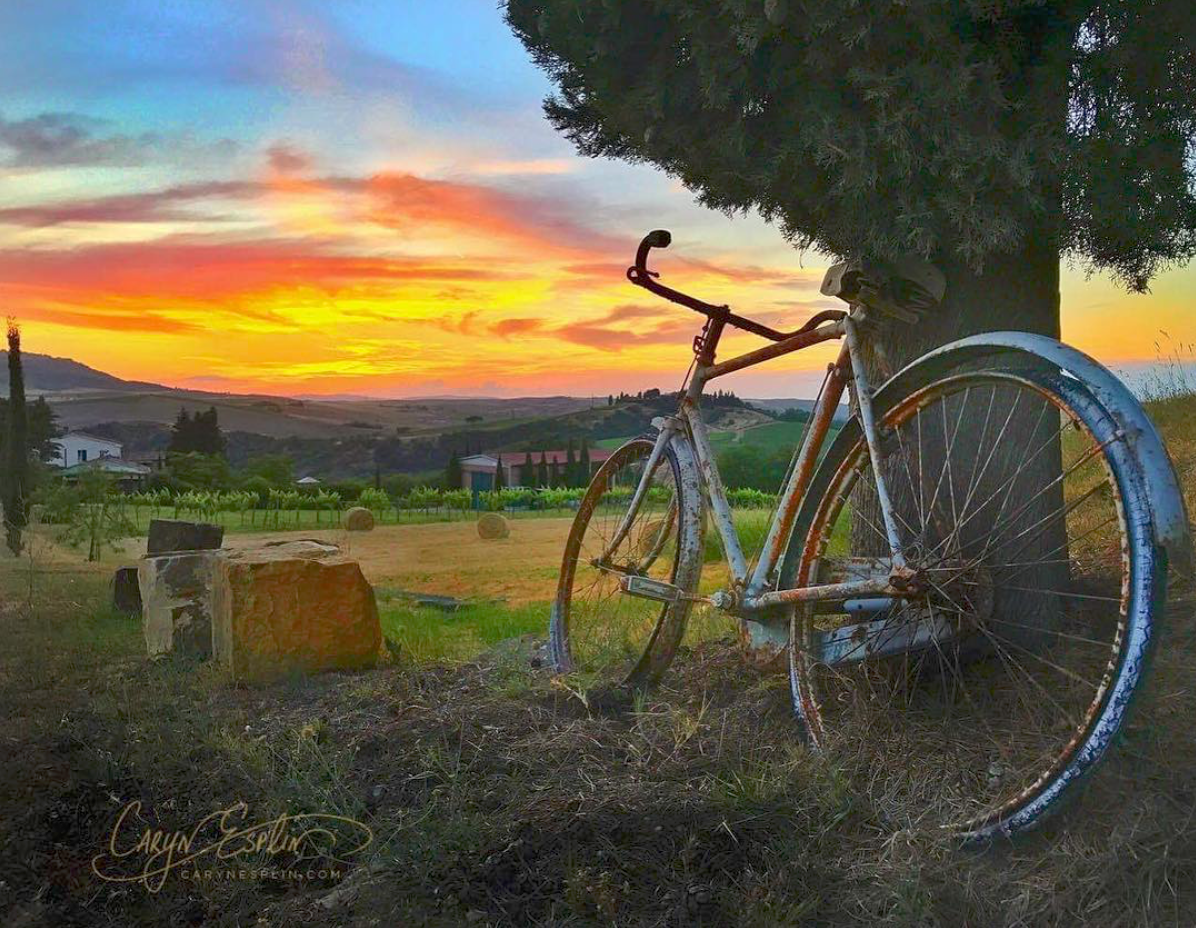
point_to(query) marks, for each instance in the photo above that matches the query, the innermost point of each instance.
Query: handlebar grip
(657, 239)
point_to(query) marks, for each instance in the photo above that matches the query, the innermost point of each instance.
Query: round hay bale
(359, 519)
(491, 525)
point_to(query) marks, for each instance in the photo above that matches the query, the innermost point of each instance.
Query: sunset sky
(363, 197)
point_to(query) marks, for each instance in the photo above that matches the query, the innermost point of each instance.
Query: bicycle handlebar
(642, 277)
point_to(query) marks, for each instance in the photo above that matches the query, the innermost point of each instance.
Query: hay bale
(491, 525)
(359, 519)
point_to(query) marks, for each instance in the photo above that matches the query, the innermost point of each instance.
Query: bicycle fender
(1171, 527)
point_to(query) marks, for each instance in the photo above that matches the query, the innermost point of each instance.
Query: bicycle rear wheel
(1038, 592)
(598, 629)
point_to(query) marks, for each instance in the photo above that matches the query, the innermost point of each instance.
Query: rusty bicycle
(966, 577)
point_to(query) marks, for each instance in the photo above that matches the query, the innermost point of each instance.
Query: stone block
(275, 614)
(166, 535)
(126, 591)
(176, 602)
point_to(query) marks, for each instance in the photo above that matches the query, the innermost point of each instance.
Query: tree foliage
(958, 128)
(42, 428)
(278, 470)
(15, 483)
(199, 433)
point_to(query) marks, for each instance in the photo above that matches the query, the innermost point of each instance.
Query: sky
(359, 197)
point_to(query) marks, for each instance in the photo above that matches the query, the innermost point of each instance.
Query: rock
(491, 526)
(176, 611)
(308, 548)
(359, 519)
(276, 614)
(126, 591)
(167, 535)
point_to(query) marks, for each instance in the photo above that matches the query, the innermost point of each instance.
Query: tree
(16, 447)
(570, 466)
(195, 471)
(277, 469)
(583, 464)
(543, 480)
(499, 477)
(527, 474)
(41, 423)
(988, 136)
(452, 472)
(199, 433)
(98, 519)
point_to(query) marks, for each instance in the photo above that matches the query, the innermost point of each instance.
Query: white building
(81, 448)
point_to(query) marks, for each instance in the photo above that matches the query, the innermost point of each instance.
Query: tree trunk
(1014, 292)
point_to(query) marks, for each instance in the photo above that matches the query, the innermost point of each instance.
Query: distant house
(80, 448)
(128, 475)
(478, 470)
(154, 460)
(307, 482)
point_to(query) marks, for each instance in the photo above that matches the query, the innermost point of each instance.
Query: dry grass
(501, 798)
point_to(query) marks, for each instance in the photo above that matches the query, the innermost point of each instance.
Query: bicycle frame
(751, 591)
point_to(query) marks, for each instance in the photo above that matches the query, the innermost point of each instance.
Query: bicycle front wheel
(978, 703)
(598, 629)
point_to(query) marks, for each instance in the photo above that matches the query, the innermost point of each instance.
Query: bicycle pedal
(647, 588)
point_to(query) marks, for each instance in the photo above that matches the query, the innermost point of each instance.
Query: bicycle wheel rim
(596, 629)
(1016, 784)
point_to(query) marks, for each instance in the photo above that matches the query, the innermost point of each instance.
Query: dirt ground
(446, 558)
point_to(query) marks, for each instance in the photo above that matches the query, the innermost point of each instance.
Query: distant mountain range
(47, 374)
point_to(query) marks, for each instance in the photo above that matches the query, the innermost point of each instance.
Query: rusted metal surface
(803, 594)
(794, 343)
(719, 507)
(781, 527)
(863, 400)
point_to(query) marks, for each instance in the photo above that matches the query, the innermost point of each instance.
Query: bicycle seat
(904, 289)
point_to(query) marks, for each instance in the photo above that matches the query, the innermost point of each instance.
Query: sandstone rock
(176, 613)
(126, 593)
(275, 614)
(167, 535)
(359, 519)
(491, 526)
(306, 548)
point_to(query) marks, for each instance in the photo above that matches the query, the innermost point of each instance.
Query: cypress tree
(528, 473)
(544, 479)
(499, 478)
(583, 464)
(452, 473)
(570, 466)
(16, 481)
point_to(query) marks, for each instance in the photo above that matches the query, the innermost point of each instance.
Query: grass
(498, 797)
(428, 635)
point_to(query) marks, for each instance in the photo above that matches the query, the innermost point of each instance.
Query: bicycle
(966, 577)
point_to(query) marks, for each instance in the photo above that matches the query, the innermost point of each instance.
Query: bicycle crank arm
(659, 590)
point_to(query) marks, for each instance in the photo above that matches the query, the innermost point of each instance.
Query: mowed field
(445, 558)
